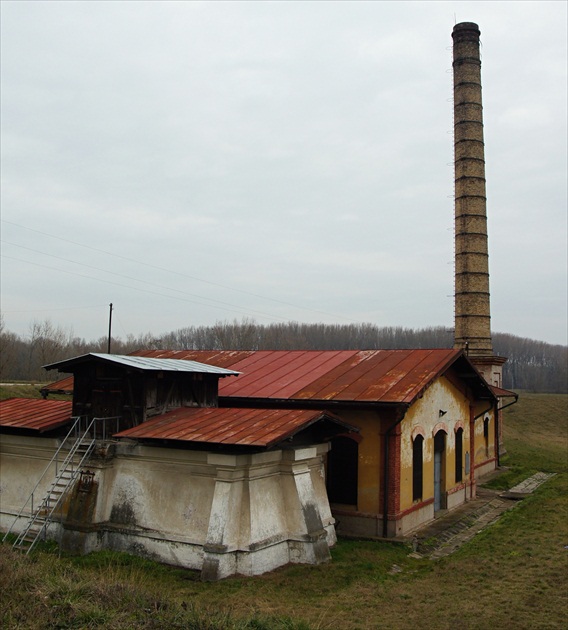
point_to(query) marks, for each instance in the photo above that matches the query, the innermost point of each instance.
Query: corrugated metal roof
(503, 393)
(144, 363)
(64, 385)
(386, 376)
(221, 358)
(383, 376)
(34, 413)
(235, 427)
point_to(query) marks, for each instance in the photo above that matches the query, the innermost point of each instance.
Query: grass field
(26, 390)
(513, 575)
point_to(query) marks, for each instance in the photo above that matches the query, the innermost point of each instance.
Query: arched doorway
(459, 455)
(486, 435)
(342, 470)
(439, 461)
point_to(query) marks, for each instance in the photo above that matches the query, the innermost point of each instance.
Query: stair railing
(73, 432)
(80, 437)
(45, 511)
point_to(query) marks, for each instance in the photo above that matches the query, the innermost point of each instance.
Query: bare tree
(532, 365)
(8, 343)
(48, 343)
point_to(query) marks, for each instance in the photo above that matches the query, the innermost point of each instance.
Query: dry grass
(26, 390)
(19, 390)
(511, 576)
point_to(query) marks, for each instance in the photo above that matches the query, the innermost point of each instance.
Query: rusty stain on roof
(34, 413)
(503, 393)
(386, 376)
(240, 427)
(65, 385)
(362, 376)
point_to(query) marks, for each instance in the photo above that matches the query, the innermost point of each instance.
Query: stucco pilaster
(216, 562)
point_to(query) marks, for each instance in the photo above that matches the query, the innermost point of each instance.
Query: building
(240, 462)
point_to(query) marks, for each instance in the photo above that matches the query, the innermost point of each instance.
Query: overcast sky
(194, 162)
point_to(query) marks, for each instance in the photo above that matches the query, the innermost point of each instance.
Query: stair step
(71, 456)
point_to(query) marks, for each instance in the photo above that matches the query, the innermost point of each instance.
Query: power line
(250, 312)
(120, 275)
(178, 273)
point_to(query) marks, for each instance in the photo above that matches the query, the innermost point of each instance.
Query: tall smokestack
(472, 309)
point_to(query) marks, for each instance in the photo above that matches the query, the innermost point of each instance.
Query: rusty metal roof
(235, 427)
(503, 393)
(379, 376)
(34, 413)
(161, 364)
(63, 386)
(384, 376)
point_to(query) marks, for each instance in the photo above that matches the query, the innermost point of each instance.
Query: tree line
(532, 365)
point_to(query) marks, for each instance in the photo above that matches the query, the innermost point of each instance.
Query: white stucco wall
(23, 461)
(218, 513)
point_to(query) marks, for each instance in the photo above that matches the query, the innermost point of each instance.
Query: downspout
(498, 411)
(509, 404)
(472, 419)
(496, 439)
(400, 418)
(496, 435)
(483, 412)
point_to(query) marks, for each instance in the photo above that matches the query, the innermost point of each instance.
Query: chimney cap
(466, 27)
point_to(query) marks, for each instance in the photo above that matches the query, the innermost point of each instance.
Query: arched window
(342, 465)
(417, 467)
(486, 434)
(459, 454)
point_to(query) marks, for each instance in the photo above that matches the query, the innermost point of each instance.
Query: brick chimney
(472, 304)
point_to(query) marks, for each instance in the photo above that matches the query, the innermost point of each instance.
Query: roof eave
(306, 403)
(323, 416)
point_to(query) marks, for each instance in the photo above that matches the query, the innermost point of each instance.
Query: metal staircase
(71, 455)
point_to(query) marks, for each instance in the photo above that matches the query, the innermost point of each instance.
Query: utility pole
(109, 327)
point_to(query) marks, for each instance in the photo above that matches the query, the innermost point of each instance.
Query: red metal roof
(34, 413)
(384, 376)
(503, 393)
(242, 427)
(64, 385)
(387, 376)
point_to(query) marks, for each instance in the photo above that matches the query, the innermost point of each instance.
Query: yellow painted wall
(441, 395)
(425, 413)
(484, 449)
(370, 459)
